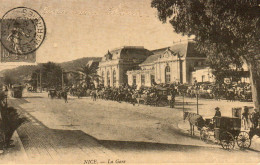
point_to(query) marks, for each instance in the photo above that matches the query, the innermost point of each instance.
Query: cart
(162, 94)
(227, 131)
(52, 93)
(17, 91)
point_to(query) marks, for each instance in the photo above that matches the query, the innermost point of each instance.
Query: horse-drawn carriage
(157, 97)
(246, 96)
(52, 93)
(227, 131)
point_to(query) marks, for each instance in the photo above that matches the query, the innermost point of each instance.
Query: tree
(35, 78)
(89, 75)
(224, 29)
(8, 79)
(51, 75)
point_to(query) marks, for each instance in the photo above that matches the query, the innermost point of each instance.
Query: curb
(17, 138)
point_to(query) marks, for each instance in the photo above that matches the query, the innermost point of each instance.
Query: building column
(111, 76)
(184, 72)
(105, 77)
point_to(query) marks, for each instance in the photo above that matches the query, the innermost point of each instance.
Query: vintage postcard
(129, 82)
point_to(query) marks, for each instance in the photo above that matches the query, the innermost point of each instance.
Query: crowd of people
(249, 119)
(127, 93)
(150, 96)
(230, 92)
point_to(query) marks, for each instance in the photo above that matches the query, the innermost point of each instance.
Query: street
(108, 130)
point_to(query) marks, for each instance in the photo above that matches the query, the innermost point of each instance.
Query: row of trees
(51, 75)
(48, 75)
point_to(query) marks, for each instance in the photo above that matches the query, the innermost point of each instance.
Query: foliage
(19, 73)
(9, 79)
(88, 74)
(50, 74)
(227, 31)
(9, 122)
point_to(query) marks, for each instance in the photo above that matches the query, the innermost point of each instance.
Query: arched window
(167, 74)
(108, 78)
(114, 78)
(134, 79)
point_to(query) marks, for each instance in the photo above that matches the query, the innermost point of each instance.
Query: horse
(194, 120)
(142, 98)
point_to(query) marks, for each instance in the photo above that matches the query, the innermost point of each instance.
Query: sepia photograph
(117, 82)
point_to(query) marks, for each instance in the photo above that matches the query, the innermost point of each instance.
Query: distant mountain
(22, 72)
(75, 64)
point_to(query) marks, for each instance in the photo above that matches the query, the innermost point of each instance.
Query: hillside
(21, 72)
(75, 64)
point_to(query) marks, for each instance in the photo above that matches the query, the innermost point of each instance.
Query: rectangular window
(142, 79)
(168, 78)
(202, 78)
(134, 80)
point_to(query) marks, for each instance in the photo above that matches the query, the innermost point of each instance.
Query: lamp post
(36, 81)
(183, 101)
(6, 95)
(41, 81)
(62, 79)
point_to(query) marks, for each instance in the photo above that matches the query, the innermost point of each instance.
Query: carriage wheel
(227, 140)
(243, 140)
(204, 135)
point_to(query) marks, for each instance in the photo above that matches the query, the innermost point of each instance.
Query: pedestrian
(255, 118)
(134, 96)
(217, 113)
(245, 115)
(173, 93)
(65, 95)
(6, 90)
(94, 95)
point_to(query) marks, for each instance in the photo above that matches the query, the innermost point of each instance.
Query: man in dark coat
(172, 101)
(245, 116)
(218, 113)
(255, 118)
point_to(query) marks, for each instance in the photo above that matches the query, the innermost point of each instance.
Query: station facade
(133, 65)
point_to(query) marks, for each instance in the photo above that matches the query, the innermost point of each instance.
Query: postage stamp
(22, 32)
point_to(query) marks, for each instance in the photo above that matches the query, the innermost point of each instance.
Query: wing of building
(173, 64)
(115, 64)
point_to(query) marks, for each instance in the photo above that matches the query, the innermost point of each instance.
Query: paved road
(132, 133)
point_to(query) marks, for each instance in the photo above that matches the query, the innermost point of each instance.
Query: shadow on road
(148, 146)
(29, 97)
(250, 149)
(187, 103)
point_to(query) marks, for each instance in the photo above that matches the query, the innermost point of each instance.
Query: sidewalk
(15, 154)
(45, 145)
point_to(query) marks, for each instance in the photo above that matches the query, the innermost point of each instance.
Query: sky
(89, 28)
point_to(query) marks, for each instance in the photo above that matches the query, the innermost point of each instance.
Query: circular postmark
(22, 30)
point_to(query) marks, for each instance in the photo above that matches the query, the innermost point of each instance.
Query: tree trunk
(254, 69)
